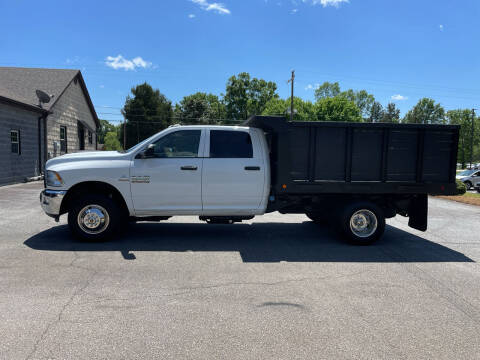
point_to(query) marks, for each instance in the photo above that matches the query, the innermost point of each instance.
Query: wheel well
(93, 187)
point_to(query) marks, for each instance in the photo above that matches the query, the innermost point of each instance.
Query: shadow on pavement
(257, 242)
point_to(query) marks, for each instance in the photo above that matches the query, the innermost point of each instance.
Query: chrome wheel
(93, 219)
(363, 223)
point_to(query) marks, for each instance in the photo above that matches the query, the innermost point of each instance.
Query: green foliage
(426, 111)
(337, 109)
(327, 90)
(376, 112)
(463, 117)
(111, 141)
(391, 114)
(147, 112)
(245, 96)
(200, 108)
(362, 99)
(461, 188)
(303, 110)
(105, 127)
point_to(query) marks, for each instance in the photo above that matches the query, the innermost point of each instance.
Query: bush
(461, 188)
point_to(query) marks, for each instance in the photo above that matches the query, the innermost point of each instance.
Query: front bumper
(51, 200)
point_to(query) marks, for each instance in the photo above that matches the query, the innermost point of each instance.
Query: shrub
(461, 188)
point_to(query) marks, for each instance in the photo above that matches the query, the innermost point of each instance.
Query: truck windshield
(140, 144)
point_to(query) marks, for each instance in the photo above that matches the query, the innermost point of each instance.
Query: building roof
(18, 85)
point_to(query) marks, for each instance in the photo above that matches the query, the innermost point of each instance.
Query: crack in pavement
(65, 306)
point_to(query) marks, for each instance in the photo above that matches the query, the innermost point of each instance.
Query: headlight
(54, 179)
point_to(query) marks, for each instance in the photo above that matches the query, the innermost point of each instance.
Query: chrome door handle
(190, 167)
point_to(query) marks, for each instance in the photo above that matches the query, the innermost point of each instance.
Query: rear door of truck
(233, 174)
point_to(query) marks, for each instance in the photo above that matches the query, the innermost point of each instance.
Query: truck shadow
(258, 242)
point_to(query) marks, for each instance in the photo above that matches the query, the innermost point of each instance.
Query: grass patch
(467, 198)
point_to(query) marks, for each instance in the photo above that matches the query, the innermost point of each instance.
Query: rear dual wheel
(362, 223)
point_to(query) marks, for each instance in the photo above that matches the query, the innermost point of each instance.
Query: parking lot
(275, 287)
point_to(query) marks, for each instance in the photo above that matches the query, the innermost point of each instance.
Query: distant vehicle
(352, 175)
(471, 178)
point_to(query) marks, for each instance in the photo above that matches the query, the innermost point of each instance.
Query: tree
(426, 111)
(147, 112)
(111, 141)
(362, 99)
(337, 109)
(303, 110)
(463, 117)
(391, 114)
(200, 108)
(376, 112)
(105, 127)
(245, 96)
(327, 90)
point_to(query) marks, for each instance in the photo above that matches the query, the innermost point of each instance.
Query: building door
(81, 137)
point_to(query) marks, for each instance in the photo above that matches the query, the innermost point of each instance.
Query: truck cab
(215, 172)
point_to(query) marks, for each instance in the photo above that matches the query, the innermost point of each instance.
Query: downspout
(40, 162)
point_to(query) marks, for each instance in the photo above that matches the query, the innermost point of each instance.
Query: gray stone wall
(70, 108)
(14, 167)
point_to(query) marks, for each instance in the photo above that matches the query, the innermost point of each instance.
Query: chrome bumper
(51, 200)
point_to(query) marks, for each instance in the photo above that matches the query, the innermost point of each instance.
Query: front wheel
(362, 223)
(468, 185)
(94, 217)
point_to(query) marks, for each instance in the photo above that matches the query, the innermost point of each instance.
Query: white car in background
(471, 178)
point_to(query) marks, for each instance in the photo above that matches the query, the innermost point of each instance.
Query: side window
(90, 137)
(180, 144)
(63, 139)
(15, 141)
(230, 144)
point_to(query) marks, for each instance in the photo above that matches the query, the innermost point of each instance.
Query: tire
(362, 223)
(468, 185)
(94, 217)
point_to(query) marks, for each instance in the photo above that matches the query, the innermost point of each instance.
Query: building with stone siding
(31, 132)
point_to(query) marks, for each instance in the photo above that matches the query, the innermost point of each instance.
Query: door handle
(190, 167)
(252, 168)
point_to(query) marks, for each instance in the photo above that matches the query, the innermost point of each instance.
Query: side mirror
(148, 153)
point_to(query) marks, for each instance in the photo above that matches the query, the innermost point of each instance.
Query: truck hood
(86, 156)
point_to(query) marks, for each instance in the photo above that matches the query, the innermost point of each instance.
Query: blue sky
(401, 50)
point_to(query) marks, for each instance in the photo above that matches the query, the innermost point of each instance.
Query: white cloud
(325, 3)
(191, 16)
(293, 11)
(398, 97)
(440, 27)
(102, 86)
(215, 7)
(119, 62)
(312, 87)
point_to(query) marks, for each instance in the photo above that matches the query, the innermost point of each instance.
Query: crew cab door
(233, 173)
(168, 181)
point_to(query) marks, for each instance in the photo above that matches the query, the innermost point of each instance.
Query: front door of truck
(233, 173)
(168, 178)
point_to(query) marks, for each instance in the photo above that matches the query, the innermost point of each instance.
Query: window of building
(63, 139)
(183, 143)
(90, 137)
(15, 141)
(230, 144)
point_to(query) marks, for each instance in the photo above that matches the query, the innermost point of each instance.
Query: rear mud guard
(418, 212)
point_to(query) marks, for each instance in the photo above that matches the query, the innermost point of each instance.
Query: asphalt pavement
(275, 287)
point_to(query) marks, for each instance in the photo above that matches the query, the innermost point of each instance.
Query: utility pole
(471, 139)
(124, 133)
(292, 79)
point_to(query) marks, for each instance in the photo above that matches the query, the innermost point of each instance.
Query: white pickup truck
(226, 174)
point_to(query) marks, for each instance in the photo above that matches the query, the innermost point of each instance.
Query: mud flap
(418, 212)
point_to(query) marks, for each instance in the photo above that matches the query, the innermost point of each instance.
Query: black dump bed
(360, 158)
